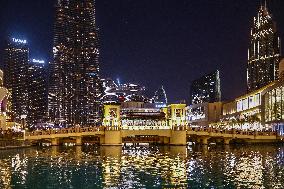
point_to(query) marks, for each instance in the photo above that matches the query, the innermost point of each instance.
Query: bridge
(172, 136)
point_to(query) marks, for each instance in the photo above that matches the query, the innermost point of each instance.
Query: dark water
(256, 166)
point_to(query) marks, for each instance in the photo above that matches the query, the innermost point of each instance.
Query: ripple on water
(143, 167)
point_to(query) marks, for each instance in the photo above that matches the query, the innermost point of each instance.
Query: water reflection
(143, 167)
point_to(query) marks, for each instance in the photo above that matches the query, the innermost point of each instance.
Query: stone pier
(78, 141)
(204, 140)
(55, 142)
(178, 138)
(112, 138)
(227, 141)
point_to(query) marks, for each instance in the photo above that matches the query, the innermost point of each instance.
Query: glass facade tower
(75, 87)
(263, 52)
(206, 89)
(16, 60)
(37, 93)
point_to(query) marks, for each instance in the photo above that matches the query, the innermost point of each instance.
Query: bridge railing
(175, 128)
(65, 131)
(232, 131)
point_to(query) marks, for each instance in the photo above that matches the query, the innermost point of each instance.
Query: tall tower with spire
(160, 96)
(75, 86)
(263, 52)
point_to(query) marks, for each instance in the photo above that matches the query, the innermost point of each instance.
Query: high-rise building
(263, 52)
(206, 89)
(3, 102)
(75, 87)
(16, 59)
(37, 92)
(281, 69)
(160, 98)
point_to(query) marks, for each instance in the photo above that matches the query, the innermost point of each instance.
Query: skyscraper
(75, 87)
(206, 89)
(16, 59)
(3, 102)
(160, 98)
(263, 52)
(37, 92)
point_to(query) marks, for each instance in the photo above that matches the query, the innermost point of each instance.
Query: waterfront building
(202, 114)
(37, 92)
(134, 116)
(16, 60)
(176, 114)
(273, 104)
(112, 115)
(243, 112)
(263, 52)
(3, 102)
(273, 107)
(75, 89)
(281, 69)
(143, 116)
(206, 89)
(260, 109)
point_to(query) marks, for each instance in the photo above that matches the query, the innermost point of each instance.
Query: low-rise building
(273, 104)
(203, 114)
(244, 112)
(141, 116)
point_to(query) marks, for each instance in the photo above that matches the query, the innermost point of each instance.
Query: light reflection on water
(258, 166)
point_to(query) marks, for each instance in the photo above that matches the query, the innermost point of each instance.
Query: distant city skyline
(167, 46)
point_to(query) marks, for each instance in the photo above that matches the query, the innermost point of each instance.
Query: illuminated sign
(160, 105)
(38, 61)
(19, 40)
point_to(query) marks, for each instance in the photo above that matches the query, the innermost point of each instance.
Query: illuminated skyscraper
(37, 92)
(16, 59)
(160, 97)
(75, 86)
(3, 103)
(263, 52)
(206, 89)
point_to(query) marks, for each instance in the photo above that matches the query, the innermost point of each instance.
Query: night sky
(155, 42)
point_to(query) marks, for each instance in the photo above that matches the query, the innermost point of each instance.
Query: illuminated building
(176, 114)
(273, 104)
(117, 92)
(263, 52)
(16, 58)
(245, 112)
(261, 109)
(160, 98)
(37, 92)
(3, 102)
(201, 115)
(75, 89)
(141, 116)
(281, 69)
(206, 89)
(112, 115)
